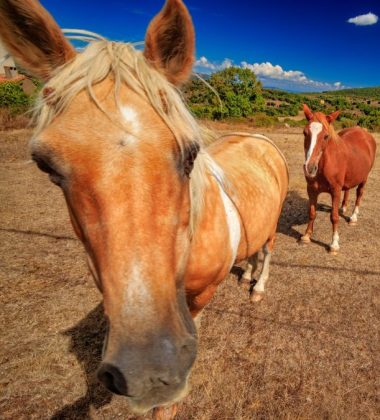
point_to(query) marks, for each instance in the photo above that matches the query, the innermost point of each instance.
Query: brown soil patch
(309, 350)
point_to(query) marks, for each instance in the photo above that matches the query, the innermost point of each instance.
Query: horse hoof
(333, 251)
(305, 239)
(257, 296)
(352, 223)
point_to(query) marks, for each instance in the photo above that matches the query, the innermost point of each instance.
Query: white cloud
(227, 63)
(203, 63)
(271, 75)
(364, 20)
(274, 71)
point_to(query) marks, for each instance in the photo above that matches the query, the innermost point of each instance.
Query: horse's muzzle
(310, 170)
(151, 375)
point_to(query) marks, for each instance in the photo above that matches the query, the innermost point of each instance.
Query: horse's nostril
(112, 379)
(164, 382)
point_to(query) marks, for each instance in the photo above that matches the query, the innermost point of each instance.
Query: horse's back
(360, 143)
(257, 173)
(357, 154)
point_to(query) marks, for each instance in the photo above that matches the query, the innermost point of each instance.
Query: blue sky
(291, 44)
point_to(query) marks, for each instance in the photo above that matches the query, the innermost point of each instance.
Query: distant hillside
(241, 98)
(367, 92)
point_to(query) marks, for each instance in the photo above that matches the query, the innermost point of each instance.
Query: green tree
(239, 91)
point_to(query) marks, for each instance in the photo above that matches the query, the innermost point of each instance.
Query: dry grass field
(309, 350)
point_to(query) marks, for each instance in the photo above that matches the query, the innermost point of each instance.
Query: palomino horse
(162, 218)
(335, 162)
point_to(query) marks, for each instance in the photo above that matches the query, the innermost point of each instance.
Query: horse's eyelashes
(190, 154)
(44, 166)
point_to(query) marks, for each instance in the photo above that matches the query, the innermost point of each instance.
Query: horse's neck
(332, 152)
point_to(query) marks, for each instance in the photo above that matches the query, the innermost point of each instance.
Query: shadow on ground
(86, 343)
(295, 213)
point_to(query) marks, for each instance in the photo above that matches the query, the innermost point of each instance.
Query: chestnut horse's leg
(334, 217)
(345, 201)
(253, 261)
(258, 290)
(313, 199)
(359, 195)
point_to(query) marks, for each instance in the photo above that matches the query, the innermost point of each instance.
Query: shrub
(13, 97)
(263, 120)
(370, 122)
(294, 123)
(11, 121)
(347, 122)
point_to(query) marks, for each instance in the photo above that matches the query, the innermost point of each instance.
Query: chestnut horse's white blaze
(161, 216)
(315, 128)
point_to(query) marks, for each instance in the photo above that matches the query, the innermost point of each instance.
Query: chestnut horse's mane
(127, 65)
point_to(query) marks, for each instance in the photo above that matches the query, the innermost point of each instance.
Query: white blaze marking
(137, 294)
(315, 128)
(133, 123)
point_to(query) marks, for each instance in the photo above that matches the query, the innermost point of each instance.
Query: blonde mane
(127, 65)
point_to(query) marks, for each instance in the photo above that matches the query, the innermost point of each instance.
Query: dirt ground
(309, 350)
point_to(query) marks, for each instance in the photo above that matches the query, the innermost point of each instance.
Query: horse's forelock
(329, 127)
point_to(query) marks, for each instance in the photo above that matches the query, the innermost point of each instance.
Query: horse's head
(317, 132)
(114, 135)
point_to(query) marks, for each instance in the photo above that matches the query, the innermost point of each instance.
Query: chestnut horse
(335, 162)
(162, 217)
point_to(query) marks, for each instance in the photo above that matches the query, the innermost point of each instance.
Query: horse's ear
(308, 113)
(333, 116)
(170, 42)
(32, 37)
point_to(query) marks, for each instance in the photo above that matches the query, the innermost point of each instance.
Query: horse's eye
(44, 166)
(326, 136)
